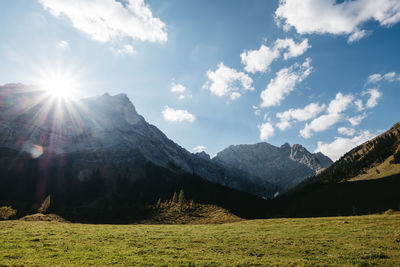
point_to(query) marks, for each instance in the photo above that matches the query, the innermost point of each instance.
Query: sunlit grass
(350, 241)
(382, 170)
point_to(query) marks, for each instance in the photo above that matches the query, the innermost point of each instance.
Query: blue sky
(215, 73)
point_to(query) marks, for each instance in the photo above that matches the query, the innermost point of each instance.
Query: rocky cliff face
(285, 166)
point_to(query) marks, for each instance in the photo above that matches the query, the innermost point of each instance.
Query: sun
(59, 85)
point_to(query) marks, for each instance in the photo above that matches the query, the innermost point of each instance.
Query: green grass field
(350, 241)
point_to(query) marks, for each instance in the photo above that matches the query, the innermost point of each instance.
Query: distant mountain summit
(285, 166)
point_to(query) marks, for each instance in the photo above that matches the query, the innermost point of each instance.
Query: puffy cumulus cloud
(283, 125)
(235, 95)
(372, 101)
(329, 16)
(177, 88)
(109, 20)
(177, 115)
(180, 89)
(341, 145)
(284, 82)
(359, 104)
(374, 95)
(333, 116)
(294, 49)
(259, 60)
(356, 36)
(198, 149)
(124, 50)
(308, 112)
(356, 120)
(320, 124)
(340, 103)
(388, 77)
(266, 131)
(226, 81)
(346, 131)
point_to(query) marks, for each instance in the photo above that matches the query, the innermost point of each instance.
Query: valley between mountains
(100, 161)
(92, 183)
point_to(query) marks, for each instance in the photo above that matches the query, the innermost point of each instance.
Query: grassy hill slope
(382, 170)
(364, 181)
(349, 241)
(383, 149)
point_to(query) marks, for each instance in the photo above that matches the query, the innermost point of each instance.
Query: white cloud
(340, 103)
(125, 50)
(359, 104)
(341, 145)
(374, 78)
(257, 110)
(284, 82)
(308, 112)
(177, 88)
(356, 36)
(226, 81)
(295, 49)
(346, 131)
(198, 149)
(333, 116)
(259, 60)
(109, 20)
(177, 115)
(266, 130)
(389, 77)
(63, 44)
(283, 125)
(181, 90)
(320, 124)
(356, 120)
(347, 17)
(374, 95)
(235, 95)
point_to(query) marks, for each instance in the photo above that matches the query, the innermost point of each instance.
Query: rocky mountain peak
(285, 165)
(119, 106)
(285, 146)
(203, 155)
(323, 160)
(286, 149)
(302, 155)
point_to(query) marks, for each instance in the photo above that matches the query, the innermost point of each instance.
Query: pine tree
(174, 198)
(191, 204)
(158, 205)
(45, 205)
(181, 198)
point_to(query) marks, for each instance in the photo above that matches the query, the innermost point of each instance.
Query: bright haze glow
(59, 85)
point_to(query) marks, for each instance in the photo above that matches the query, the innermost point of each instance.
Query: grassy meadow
(350, 241)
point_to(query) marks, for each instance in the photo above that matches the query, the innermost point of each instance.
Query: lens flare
(36, 151)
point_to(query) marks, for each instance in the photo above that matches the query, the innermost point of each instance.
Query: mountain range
(30, 118)
(98, 154)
